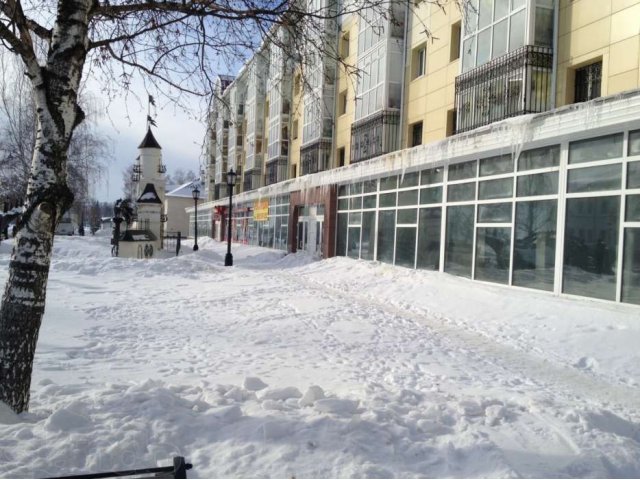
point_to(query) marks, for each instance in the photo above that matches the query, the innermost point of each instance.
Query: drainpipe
(404, 74)
(556, 34)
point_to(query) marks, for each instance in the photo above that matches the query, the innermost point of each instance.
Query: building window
(342, 103)
(588, 82)
(492, 29)
(296, 84)
(454, 45)
(341, 156)
(451, 122)
(416, 134)
(418, 61)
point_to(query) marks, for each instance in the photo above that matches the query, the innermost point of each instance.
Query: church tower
(151, 187)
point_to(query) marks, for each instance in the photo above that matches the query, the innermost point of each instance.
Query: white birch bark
(48, 197)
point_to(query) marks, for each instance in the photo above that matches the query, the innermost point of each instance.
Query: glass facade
(534, 221)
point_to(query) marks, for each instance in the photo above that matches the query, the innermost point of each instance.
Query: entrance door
(310, 223)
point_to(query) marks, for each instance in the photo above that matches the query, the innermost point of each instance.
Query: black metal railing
(135, 177)
(162, 168)
(315, 157)
(375, 136)
(137, 168)
(276, 171)
(177, 470)
(514, 84)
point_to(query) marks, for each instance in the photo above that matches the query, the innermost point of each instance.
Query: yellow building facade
(421, 135)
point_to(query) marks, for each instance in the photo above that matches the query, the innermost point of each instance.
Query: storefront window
(368, 235)
(608, 177)
(353, 249)
(341, 239)
(499, 188)
(430, 220)
(459, 242)
(386, 235)
(631, 266)
(544, 157)
(592, 149)
(534, 248)
(591, 246)
(538, 184)
(492, 254)
(405, 246)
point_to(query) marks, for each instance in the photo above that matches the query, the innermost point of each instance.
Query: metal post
(228, 259)
(195, 243)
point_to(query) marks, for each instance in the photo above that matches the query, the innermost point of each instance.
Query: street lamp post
(231, 181)
(196, 195)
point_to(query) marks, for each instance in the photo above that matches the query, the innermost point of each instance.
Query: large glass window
(499, 188)
(495, 213)
(634, 143)
(461, 192)
(353, 249)
(592, 149)
(430, 195)
(386, 235)
(631, 266)
(544, 157)
(633, 175)
(632, 212)
(405, 246)
(341, 240)
(433, 175)
(594, 179)
(496, 165)
(429, 238)
(591, 246)
(538, 184)
(534, 246)
(462, 171)
(492, 254)
(459, 243)
(368, 235)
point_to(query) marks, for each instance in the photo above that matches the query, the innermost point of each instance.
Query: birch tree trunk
(48, 197)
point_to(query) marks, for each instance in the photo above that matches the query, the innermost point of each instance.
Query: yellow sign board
(261, 210)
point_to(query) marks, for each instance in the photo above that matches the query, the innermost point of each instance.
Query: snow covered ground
(286, 367)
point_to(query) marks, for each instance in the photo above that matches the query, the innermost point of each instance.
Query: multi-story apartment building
(499, 143)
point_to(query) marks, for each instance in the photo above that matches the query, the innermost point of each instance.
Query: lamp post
(231, 181)
(196, 195)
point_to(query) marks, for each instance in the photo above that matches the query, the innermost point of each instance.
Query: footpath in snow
(283, 366)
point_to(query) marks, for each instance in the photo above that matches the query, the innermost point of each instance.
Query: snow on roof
(183, 190)
(149, 195)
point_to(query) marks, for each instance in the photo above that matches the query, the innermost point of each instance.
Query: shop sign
(261, 210)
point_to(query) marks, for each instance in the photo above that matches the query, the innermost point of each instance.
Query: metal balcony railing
(162, 168)
(137, 168)
(514, 84)
(135, 177)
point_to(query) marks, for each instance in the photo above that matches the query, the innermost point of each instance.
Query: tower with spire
(151, 186)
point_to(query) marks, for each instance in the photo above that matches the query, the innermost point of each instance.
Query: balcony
(162, 168)
(315, 157)
(253, 162)
(135, 177)
(277, 171)
(515, 84)
(375, 135)
(137, 168)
